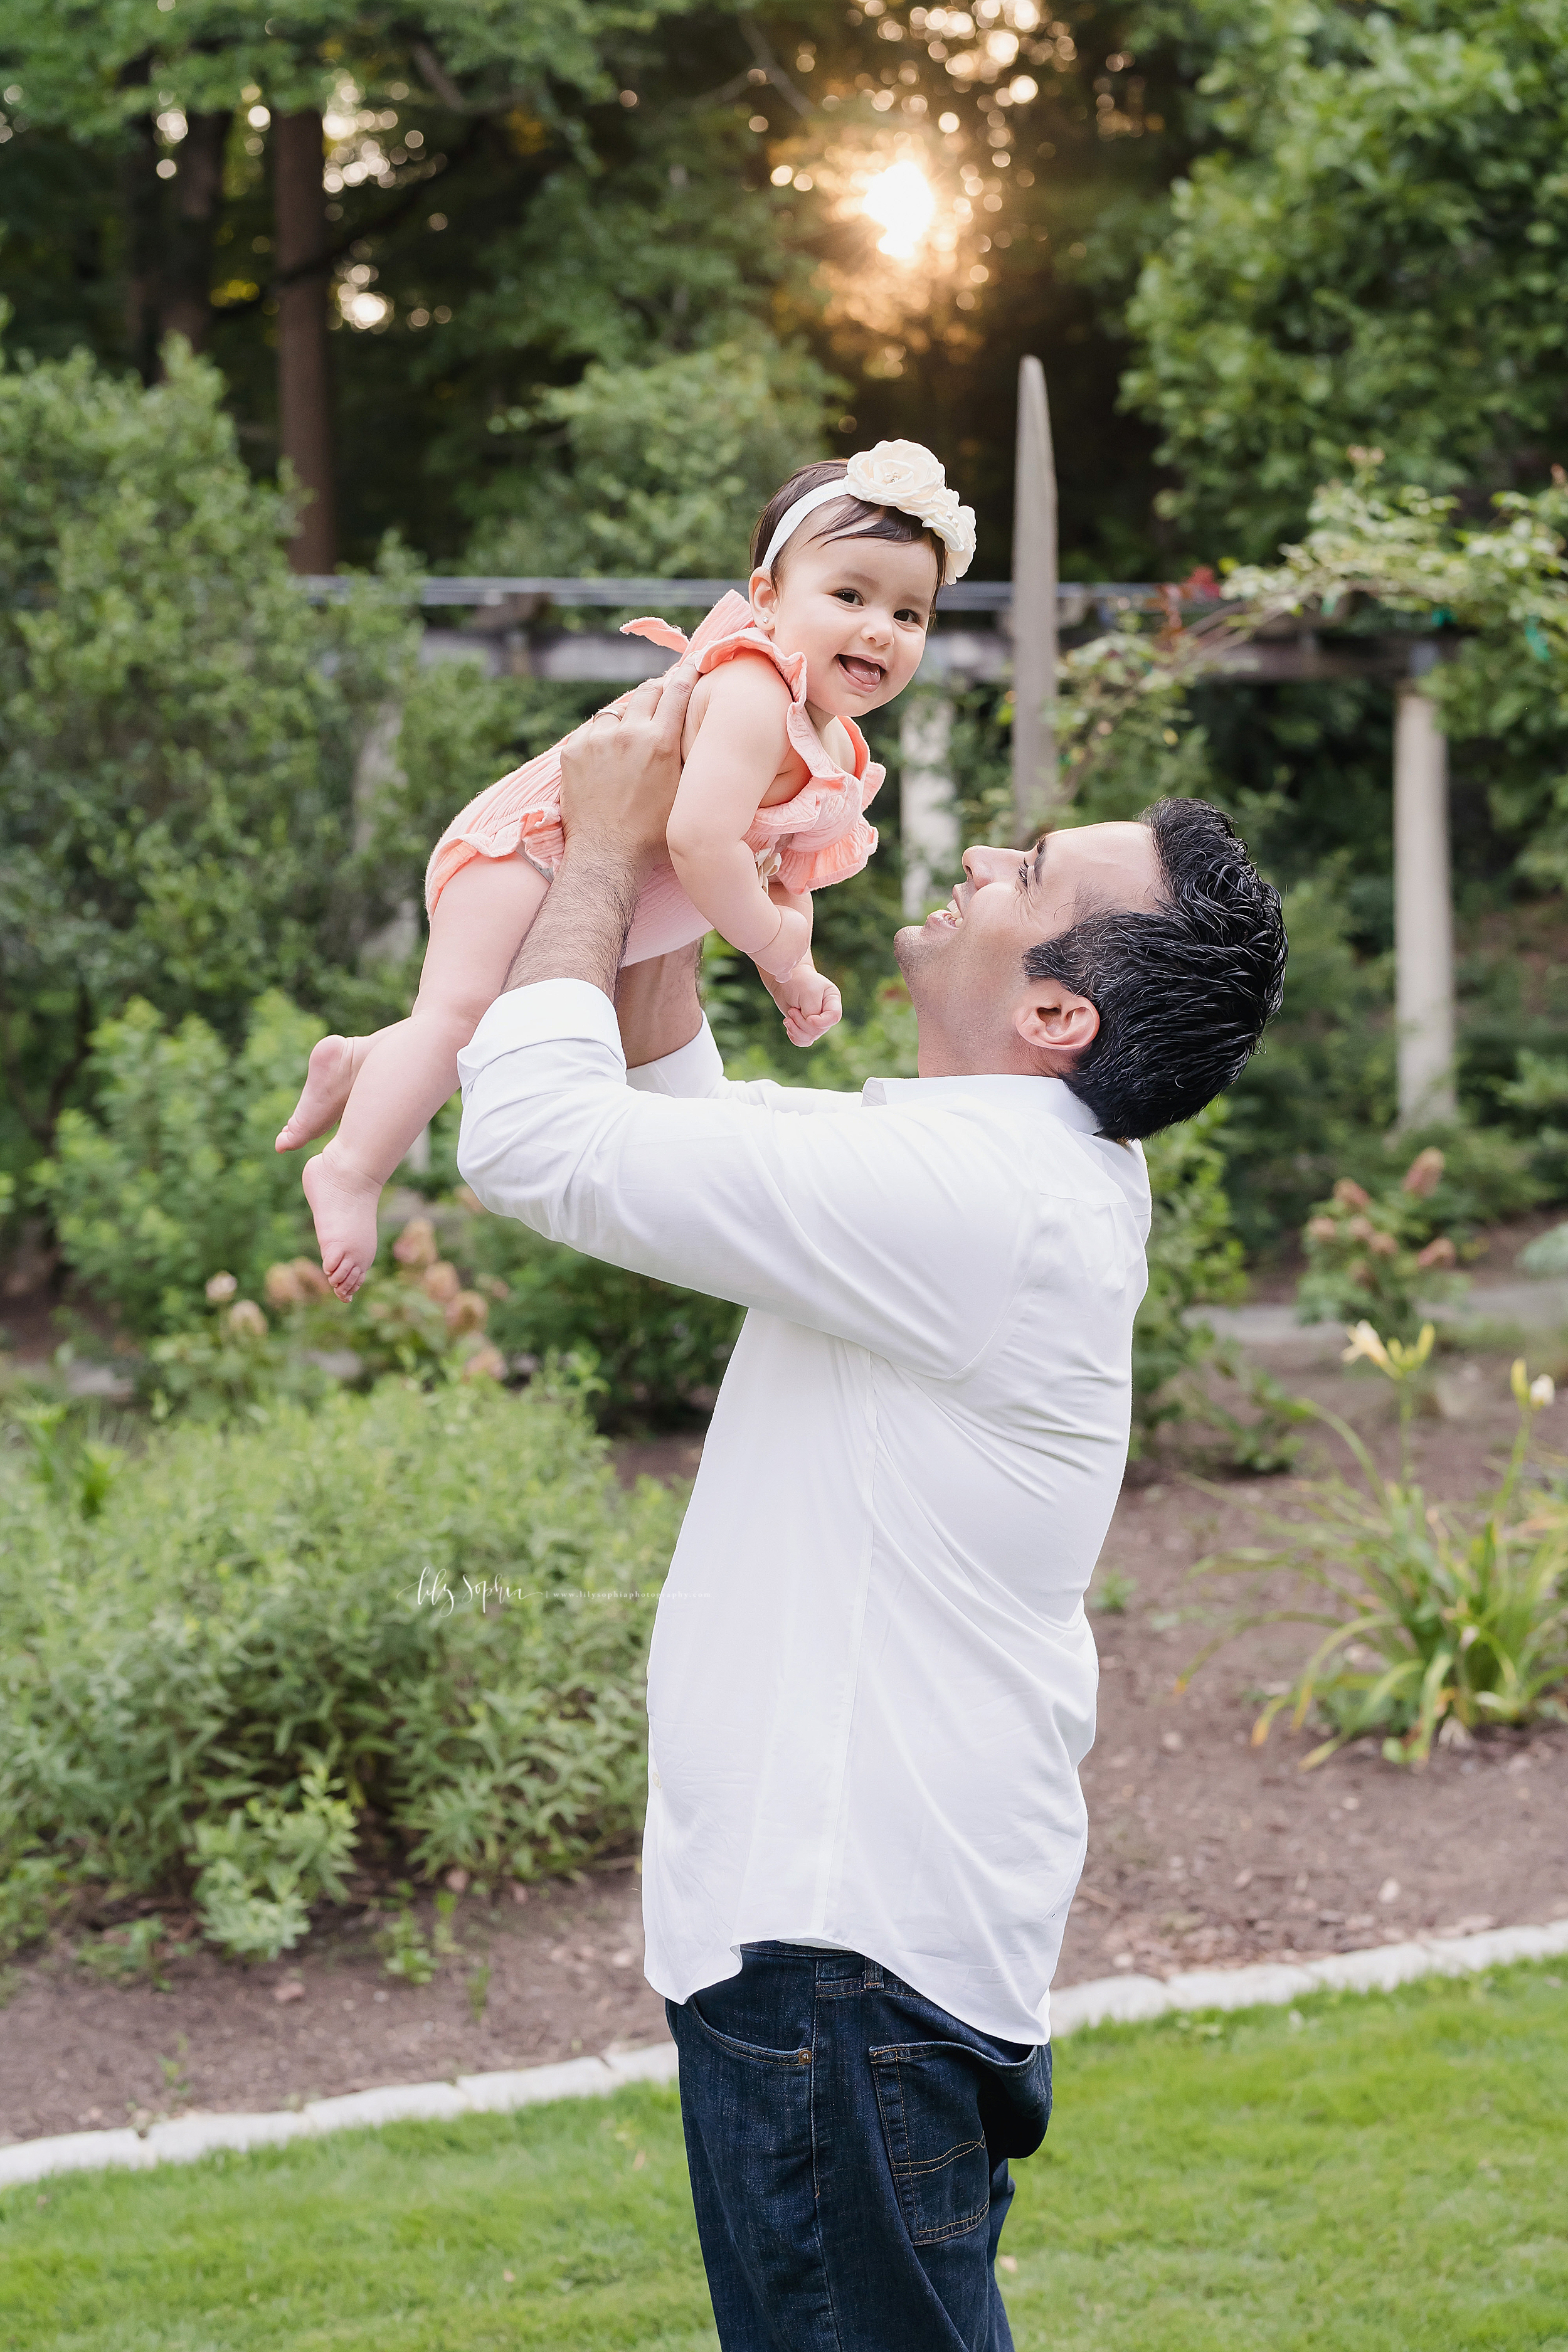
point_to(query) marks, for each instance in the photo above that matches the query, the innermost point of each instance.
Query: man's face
(964, 964)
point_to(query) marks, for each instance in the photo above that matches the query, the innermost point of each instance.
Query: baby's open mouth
(867, 675)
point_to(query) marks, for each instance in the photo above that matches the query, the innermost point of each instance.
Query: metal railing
(1074, 597)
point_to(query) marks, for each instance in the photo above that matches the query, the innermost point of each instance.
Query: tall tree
(523, 190)
(302, 245)
(1378, 255)
(209, 82)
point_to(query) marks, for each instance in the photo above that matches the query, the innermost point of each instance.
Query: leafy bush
(182, 727)
(173, 1178)
(1436, 1618)
(259, 1871)
(653, 1352)
(1370, 1260)
(436, 1617)
(640, 493)
(1379, 1249)
(1194, 1259)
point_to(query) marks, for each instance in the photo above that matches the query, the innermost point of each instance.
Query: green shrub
(173, 1178)
(1194, 1259)
(260, 1870)
(1382, 1249)
(626, 487)
(1438, 1620)
(182, 727)
(1371, 1260)
(655, 1352)
(431, 1608)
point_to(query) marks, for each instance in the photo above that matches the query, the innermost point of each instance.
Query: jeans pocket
(798, 2057)
(928, 2094)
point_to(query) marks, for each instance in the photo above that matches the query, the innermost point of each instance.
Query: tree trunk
(188, 263)
(141, 209)
(304, 404)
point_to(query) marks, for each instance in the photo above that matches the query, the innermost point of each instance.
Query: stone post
(1423, 909)
(1034, 614)
(928, 820)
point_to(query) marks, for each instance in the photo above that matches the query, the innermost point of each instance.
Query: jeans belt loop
(873, 1976)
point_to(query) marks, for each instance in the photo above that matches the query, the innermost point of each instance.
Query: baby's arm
(810, 1004)
(740, 748)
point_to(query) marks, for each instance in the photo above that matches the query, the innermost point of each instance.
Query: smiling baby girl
(775, 779)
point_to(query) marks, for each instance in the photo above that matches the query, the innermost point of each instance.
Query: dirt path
(1201, 1849)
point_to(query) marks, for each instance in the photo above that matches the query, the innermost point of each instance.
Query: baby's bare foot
(342, 1203)
(327, 1085)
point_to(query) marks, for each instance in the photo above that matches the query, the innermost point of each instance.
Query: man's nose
(983, 864)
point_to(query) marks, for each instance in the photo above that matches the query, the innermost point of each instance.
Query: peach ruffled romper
(819, 837)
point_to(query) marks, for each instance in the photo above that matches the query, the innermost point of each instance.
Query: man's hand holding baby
(619, 773)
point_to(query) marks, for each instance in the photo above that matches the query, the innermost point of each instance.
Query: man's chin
(907, 941)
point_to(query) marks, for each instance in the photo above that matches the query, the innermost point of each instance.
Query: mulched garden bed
(1203, 1850)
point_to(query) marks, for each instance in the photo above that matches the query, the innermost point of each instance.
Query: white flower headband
(894, 474)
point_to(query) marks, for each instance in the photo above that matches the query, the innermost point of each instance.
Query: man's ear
(765, 598)
(1056, 1023)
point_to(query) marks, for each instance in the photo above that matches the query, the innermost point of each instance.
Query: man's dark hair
(1183, 993)
(844, 517)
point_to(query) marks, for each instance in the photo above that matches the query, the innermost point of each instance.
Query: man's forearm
(580, 932)
(657, 1005)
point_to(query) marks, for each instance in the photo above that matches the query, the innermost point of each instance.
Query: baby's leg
(334, 1066)
(410, 1069)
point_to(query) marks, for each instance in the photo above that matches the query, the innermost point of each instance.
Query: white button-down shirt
(872, 1681)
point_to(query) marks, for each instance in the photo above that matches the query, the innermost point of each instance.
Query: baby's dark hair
(844, 517)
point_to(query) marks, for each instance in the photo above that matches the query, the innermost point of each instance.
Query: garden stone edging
(1121, 1999)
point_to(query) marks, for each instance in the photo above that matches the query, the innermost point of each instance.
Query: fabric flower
(905, 475)
(896, 474)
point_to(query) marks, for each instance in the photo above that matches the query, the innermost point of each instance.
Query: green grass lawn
(1377, 2175)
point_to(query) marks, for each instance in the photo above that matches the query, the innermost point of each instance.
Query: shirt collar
(1054, 1096)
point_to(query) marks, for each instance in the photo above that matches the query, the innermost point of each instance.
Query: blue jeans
(849, 2143)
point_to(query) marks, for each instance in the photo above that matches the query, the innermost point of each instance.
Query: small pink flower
(280, 1286)
(1425, 1172)
(416, 1244)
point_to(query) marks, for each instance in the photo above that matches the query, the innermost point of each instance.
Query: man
(872, 1681)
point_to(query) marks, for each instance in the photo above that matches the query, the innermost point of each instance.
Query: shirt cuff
(549, 1011)
(694, 1068)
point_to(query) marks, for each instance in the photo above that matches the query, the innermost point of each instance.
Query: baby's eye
(848, 595)
(916, 620)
